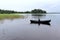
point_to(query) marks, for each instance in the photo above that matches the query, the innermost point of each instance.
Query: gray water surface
(21, 29)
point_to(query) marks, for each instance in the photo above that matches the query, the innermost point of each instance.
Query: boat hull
(40, 22)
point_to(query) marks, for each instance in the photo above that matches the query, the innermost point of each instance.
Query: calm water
(21, 29)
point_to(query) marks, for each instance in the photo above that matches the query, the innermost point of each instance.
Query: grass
(10, 16)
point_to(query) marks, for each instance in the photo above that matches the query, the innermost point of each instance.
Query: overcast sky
(24, 5)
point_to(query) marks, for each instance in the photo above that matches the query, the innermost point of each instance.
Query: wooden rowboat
(40, 22)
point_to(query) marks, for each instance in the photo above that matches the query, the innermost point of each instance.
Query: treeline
(35, 11)
(7, 11)
(32, 11)
(38, 11)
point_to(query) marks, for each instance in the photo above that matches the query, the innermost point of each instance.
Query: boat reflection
(41, 23)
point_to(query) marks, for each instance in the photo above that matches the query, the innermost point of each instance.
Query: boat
(40, 22)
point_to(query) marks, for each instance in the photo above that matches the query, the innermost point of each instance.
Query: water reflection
(1, 21)
(21, 29)
(10, 18)
(38, 16)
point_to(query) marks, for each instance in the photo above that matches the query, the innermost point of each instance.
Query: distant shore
(13, 12)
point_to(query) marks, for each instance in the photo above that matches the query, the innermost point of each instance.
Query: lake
(21, 29)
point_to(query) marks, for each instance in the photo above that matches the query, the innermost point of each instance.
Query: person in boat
(39, 20)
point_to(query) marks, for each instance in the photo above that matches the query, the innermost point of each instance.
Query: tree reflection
(1, 21)
(12, 17)
(38, 16)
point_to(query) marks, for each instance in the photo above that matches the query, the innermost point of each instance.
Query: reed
(10, 16)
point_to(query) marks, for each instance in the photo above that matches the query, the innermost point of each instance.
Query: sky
(27, 5)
